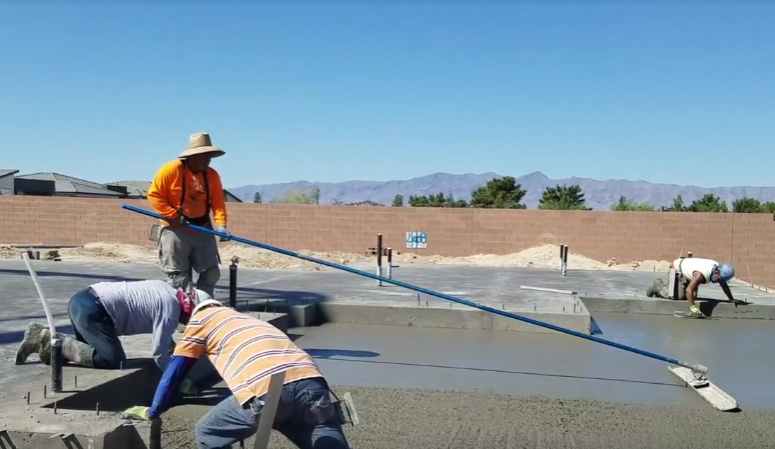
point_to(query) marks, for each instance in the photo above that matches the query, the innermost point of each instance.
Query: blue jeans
(92, 325)
(305, 415)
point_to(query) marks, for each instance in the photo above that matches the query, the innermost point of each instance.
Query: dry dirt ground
(545, 256)
(398, 419)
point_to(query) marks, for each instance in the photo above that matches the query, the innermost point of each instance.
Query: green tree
(709, 203)
(438, 200)
(499, 193)
(398, 201)
(677, 206)
(768, 207)
(300, 196)
(314, 195)
(625, 204)
(257, 197)
(562, 197)
(747, 205)
(337, 202)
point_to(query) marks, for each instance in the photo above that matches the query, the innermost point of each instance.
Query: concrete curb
(450, 318)
(652, 306)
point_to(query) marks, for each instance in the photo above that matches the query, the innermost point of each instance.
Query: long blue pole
(697, 368)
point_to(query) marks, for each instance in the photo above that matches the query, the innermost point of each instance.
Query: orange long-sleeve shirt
(167, 187)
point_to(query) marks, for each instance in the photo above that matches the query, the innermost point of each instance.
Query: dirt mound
(545, 256)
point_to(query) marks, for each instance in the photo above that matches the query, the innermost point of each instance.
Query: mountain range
(598, 194)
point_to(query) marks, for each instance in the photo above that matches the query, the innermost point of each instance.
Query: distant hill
(599, 194)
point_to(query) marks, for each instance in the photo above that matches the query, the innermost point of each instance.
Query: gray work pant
(183, 250)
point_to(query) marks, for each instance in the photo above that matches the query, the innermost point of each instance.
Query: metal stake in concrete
(97, 409)
(379, 258)
(390, 263)
(57, 360)
(44, 392)
(562, 252)
(233, 283)
(565, 260)
(695, 368)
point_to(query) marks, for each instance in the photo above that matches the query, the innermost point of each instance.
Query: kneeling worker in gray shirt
(104, 311)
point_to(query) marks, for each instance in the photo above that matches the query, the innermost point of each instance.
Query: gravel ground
(397, 419)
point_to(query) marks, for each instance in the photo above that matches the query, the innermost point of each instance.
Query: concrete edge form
(450, 318)
(706, 389)
(90, 417)
(650, 306)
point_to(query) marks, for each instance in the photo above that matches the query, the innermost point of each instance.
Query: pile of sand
(545, 256)
(114, 252)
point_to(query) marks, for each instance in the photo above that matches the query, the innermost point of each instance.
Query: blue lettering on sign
(416, 240)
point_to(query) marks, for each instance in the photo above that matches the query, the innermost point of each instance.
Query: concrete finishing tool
(696, 370)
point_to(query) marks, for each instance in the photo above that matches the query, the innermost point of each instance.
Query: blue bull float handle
(697, 368)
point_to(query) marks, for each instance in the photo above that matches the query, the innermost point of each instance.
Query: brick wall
(746, 240)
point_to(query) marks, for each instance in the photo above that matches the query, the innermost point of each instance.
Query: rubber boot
(36, 340)
(77, 352)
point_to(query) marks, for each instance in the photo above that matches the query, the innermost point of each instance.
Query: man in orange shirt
(246, 352)
(186, 190)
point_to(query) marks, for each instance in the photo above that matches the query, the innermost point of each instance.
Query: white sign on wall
(416, 240)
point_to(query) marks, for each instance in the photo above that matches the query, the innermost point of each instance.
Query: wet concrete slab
(555, 365)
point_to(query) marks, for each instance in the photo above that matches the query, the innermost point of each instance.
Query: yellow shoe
(695, 311)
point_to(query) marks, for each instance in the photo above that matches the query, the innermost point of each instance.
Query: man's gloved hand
(187, 388)
(222, 230)
(181, 220)
(137, 413)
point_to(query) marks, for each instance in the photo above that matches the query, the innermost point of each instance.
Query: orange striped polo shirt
(244, 350)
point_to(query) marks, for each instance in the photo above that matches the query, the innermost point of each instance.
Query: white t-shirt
(689, 265)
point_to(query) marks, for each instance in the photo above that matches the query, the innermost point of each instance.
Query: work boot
(36, 341)
(695, 312)
(77, 352)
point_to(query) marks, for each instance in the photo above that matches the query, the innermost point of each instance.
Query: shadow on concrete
(117, 395)
(208, 397)
(488, 370)
(247, 297)
(329, 353)
(17, 336)
(594, 327)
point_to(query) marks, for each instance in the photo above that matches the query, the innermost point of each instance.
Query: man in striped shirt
(246, 352)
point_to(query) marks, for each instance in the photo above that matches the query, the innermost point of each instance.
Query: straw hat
(200, 143)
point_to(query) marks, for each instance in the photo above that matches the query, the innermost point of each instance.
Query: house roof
(134, 188)
(68, 184)
(4, 173)
(141, 188)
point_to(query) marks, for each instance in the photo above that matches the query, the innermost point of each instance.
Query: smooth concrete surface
(557, 366)
(298, 293)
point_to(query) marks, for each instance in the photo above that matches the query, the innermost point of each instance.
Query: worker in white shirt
(691, 273)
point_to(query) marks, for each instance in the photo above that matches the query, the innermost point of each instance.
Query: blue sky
(666, 91)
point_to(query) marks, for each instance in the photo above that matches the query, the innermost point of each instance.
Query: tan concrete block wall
(746, 240)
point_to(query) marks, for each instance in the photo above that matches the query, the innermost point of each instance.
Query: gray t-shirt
(143, 307)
